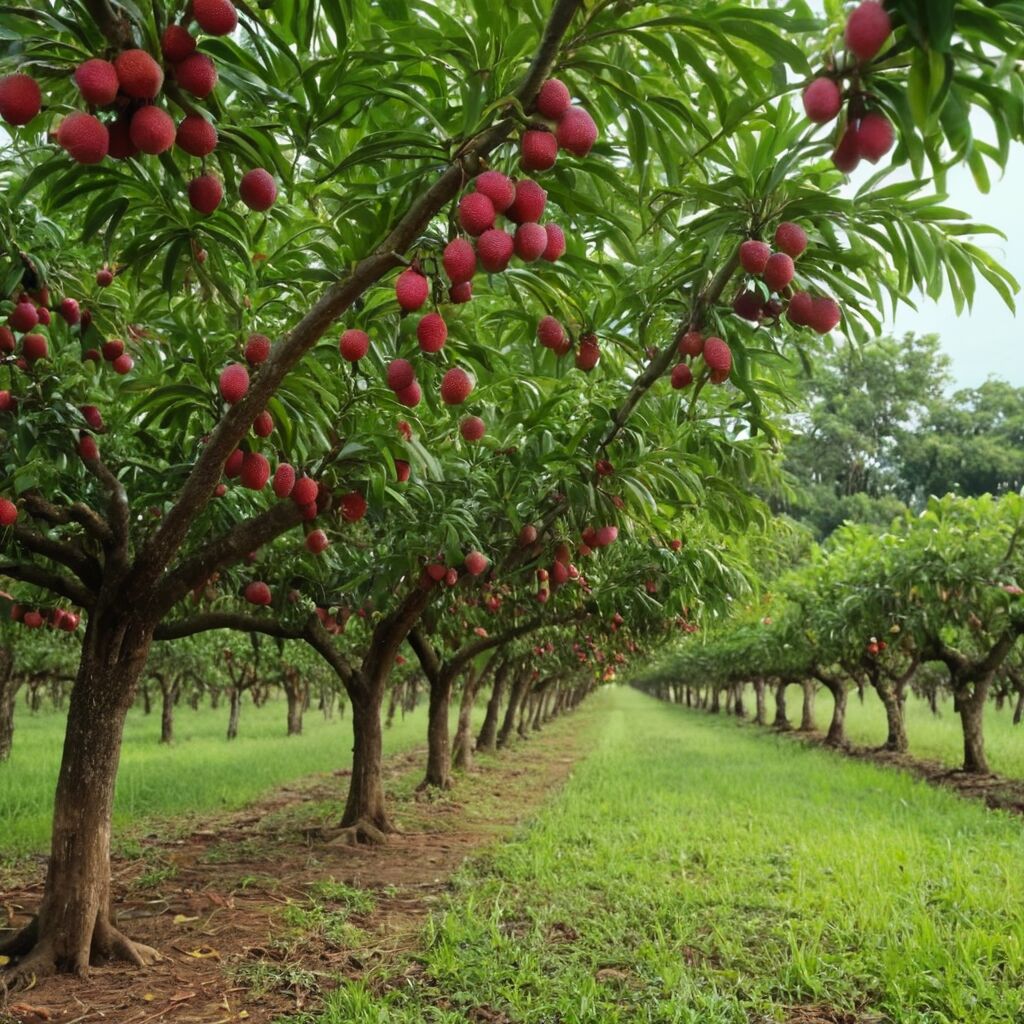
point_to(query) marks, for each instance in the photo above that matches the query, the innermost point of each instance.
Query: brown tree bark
(296, 693)
(169, 690)
(761, 714)
(487, 740)
(807, 723)
(519, 686)
(8, 692)
(781, 718)
(972, 710)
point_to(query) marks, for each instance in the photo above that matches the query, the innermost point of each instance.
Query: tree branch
(78, 512)
(320, 640)
(55, 582)
(428, 659)
(205, 622)
(117, 512)
(85, 568)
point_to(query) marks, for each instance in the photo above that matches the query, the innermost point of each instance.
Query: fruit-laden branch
(78, 512)
(85, 568)
(661, 362)
(207, 621)
(37, 575)
(203, 478)
(117, 509)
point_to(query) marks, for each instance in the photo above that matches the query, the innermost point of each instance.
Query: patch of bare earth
(257, 916)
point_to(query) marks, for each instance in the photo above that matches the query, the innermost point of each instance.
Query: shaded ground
(257, 916)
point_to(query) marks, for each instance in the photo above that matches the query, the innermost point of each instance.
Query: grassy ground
(697, 871)
(200, 772)
(937, 738)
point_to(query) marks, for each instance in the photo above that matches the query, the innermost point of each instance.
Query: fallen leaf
(204, 953)
(182, 919)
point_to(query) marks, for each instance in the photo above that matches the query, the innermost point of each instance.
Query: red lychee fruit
(476, 213)
(472, 428)
(44, 315)
(411, 396)
(176, 43)
(435, 572)
(309, 512)
(800, 310)
(553, 99)
(494, 249)
(6, 342)
(432, 332)
(353, 344)
(675, 544)
(8, 403)
(123, 364)
(400, 374)
(867, 29)
(603, 467)
(33, 620)
(555, 247)
(451, 577)
(691, 344)
(112, 349)
(196, 74)
(305, 491)
(220, 490)
(538, 150)
(205, 193)
(317, 542)
(529, 203)
(531, 241)
(258, 593)
(462, 292)
(284, 480)
(550, 333)
(749, 305)
(92, 416)
(497, 187)
(23, 317)
(233, 463)
(258, 189)
(196, 136)
(846, 156)
(718, 358)
(822, 100)
(779, 271)
(790, 238)
(33, 347)
(263, 425)
(352, 507)
(682, 376)
(475, 563)
(875, 136)
(605, 535)
(257, 348)
(97, 81)
(589, 354)
(825, 315)
(216, 17)
(754, 256)
(87, 450)
(411, 290)
(402, 470)
(459, 260)
(69, 310)
(83, 138)
(576, 131)
(104, 277)
(152, 130)
(91, 355)
(255, 471)
(138, 74)
(527, 535)
(404, 429)
(8, 513)
(20, 98)
(456, 386)
(234, 383)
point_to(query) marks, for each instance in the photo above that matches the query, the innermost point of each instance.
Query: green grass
(937, 738)
(199, 773)
(695, 870)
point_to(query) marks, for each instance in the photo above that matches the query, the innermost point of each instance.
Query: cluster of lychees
(127, 87)
(868, 134)
(54, 618)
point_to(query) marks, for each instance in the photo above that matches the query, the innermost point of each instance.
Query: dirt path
(256, 914)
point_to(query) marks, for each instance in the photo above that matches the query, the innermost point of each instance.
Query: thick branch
(85, 568)
(55, 582)
(240, 621)
(428, 659)
(117, 511)
(320, 640)
(78, 512)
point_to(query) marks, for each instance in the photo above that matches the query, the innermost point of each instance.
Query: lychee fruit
(432, 332)
(196, 136)
(257, 348)
(475, 562)
(317, 542)
(284, 480)
(176, 43)
(846, 156)
(123, 364)
(23, 317)
(555, 248)
(216, 17)
(718, 358)
(309, 512)
(589, 353)
(494, 249)
(605, 535)
(527, 535)
(97, 81)
(691, 344)
(822, 100)
(258, 189)
(234, 383)
(411, 290)
(411, 396)
(8, 513)
(83, 138)
(352, 507)
(92, 416)
(462, 292)
(20, 98)
(754, 256)
(104, 277)
(196, 74)
(472, 428)
(69, 310)
(255, 471)
(8, 403)
(402, 470)
(749, 305)
(258, 593)
(790, 238)
(400, 374)
(456, 386)
(553, 99)
(824, 316)
(530, 242)
(875, 136)
(497, 187)
(120, 146)
(779, 271)
(139, 76)
(867, 29)
(112, 349)
(44, 315)
(404, 429)
(34, 346)
(682, 376)
(476, 213)
(6, 342)
(87, 449)
(305, 491)
(529, 202)
(353, 344)
(538, 150)
(263, 425)
(152, 130)
(205, 193)
(576, 131)
(459, 260)
(550, 333)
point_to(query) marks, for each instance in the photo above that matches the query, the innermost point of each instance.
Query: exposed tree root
(427, 785)
(363, 832)
(109, 943)
(21, 942)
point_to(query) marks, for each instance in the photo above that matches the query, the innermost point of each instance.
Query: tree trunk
(169, 695)
(538, 710)
(235, 697)
(836, 736)
(972, 711)
(515, 699)
(896, 740)
(716, 700)
(807, 712)
(365, 805)
(392, 706)
(439, 749)
(781, 719)
(74, 925)
(488, 738)
(761, 714)
(295, 691)
(1018, 711)
(8, 692)
(462, 745)
(147, 704)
